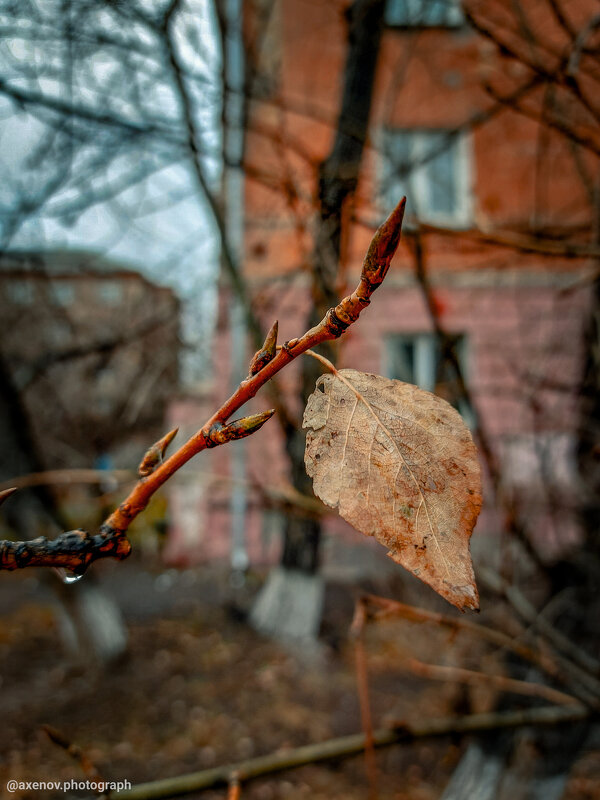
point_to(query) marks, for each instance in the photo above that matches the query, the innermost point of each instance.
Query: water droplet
(67, 576)
(71, 577)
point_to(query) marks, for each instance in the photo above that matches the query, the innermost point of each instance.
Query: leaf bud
(262, 357)
(155, 454)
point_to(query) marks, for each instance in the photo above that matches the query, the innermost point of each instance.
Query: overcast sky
(158, 225)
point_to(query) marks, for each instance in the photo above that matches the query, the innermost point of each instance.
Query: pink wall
(522, 322)
(524, 358)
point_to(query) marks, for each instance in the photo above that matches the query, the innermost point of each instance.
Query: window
(432, 168)
(417, 358)
(424, 13)
(62, 293)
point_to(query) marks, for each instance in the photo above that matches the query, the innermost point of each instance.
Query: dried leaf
(400, 465)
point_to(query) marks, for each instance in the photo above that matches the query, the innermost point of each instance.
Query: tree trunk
(338, 178)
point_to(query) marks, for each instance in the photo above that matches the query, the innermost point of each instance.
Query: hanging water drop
(72, 577)
(67, 576)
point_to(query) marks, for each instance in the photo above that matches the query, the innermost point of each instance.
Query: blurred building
(89, 353)
(500, 223)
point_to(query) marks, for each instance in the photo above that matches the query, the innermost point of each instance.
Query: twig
(382, 608)
(282, 496)
(526, 243)
(501, 682)
(581, 681)
(89, 769)
(73, 550)
(54, 477)
(529, 613)
(235, 789)
(558, 667)
(76, 550)
(346, 746)
(362, 682)
(449, 355)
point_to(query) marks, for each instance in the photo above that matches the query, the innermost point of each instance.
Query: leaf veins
(400, 465)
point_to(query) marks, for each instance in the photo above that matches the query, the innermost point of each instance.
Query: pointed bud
(383, 246)
(155, 454)
(247, 425)
(239, 428)
(6, 494)
(262, 357)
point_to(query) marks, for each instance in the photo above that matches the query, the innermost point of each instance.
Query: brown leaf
(400, 465)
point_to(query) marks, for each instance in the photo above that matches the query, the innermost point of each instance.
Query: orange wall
(427, 78)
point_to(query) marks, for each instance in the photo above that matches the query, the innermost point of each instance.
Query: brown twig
(53, 477)
(235, 789)
(525, 243)
(73, 550)
(529, 613)
(346, 746)
(501, 682)
(76, 550)
(382, 608)
(573, 661)
(362, 682)
(88, 767)
(556, 666)
(489, 456)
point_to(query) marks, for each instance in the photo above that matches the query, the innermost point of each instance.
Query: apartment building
(483, 116)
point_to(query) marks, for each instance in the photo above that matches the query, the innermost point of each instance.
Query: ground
(200, 688)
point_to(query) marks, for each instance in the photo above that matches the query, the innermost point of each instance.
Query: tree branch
(439, 672)
(346, 746)
(76, 550)
(529, 613)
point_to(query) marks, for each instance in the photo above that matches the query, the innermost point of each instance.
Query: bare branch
(362, 682)
(51, 477)
(501, 682)
(89, 768)
(76, 550)
(352, 745)
(73, 550)
(522, 242)
(529, 613)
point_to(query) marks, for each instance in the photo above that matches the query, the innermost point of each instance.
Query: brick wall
(521, 312)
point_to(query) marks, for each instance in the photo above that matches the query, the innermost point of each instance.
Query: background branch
(347, 746)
